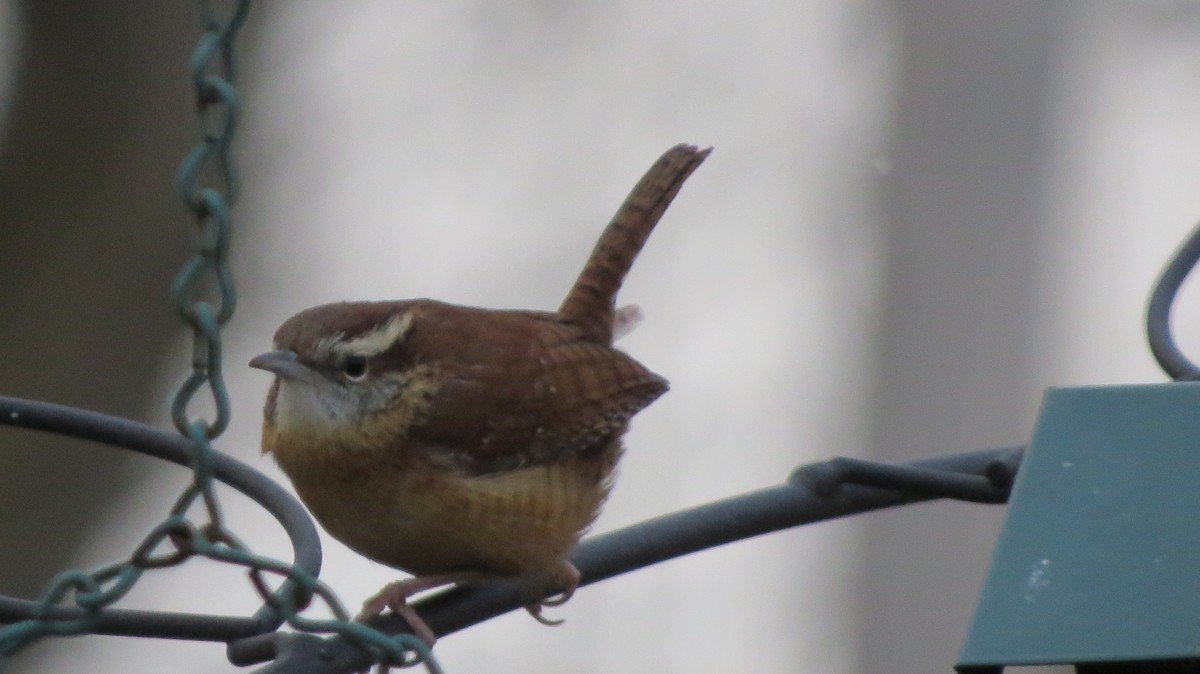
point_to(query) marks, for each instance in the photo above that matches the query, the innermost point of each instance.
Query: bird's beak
(281, 363)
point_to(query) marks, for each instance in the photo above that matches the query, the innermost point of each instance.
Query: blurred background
(919, 214)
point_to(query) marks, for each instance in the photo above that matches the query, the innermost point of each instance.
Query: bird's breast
(403, 512)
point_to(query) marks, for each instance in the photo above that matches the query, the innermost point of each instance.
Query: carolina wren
(458, 443)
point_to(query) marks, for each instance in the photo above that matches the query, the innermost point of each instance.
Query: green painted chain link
(177, 539)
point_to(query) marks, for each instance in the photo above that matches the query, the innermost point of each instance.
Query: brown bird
(458, 443)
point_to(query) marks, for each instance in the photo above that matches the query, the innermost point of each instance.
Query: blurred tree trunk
(955, 353)
(90, 236)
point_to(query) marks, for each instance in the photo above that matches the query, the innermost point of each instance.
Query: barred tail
(591, 302)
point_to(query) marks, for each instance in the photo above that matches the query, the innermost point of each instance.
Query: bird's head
(338, 367)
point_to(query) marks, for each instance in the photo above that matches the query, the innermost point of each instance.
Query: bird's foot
(566, 579)
(395, 596)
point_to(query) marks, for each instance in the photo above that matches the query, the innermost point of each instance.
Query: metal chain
(207, 184)
(218, 107)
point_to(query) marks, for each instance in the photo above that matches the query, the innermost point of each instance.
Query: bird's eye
(354, 368)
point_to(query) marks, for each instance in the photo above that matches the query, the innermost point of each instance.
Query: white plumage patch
(304, 404)
(380, 339)
(371, 343)
(625, 319)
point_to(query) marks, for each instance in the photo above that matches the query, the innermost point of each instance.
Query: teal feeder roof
(1099, 557)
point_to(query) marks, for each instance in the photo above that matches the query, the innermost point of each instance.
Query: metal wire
(817, 492)
(814, 493)
(1158, 311)
(123, 433)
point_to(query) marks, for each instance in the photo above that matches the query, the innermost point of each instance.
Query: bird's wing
(503, 414)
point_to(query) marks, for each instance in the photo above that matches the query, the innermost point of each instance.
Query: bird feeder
(1098, 561)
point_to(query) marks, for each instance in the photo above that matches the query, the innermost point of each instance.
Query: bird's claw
(535, 610)
(395, 596)
(567, 578)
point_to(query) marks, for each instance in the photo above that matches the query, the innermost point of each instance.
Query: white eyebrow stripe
(378, 340)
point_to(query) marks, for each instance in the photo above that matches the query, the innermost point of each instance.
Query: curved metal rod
(814, 493)
(1158, 311)
(119, 432)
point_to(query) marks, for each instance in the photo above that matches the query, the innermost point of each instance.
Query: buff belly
(426, 521)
